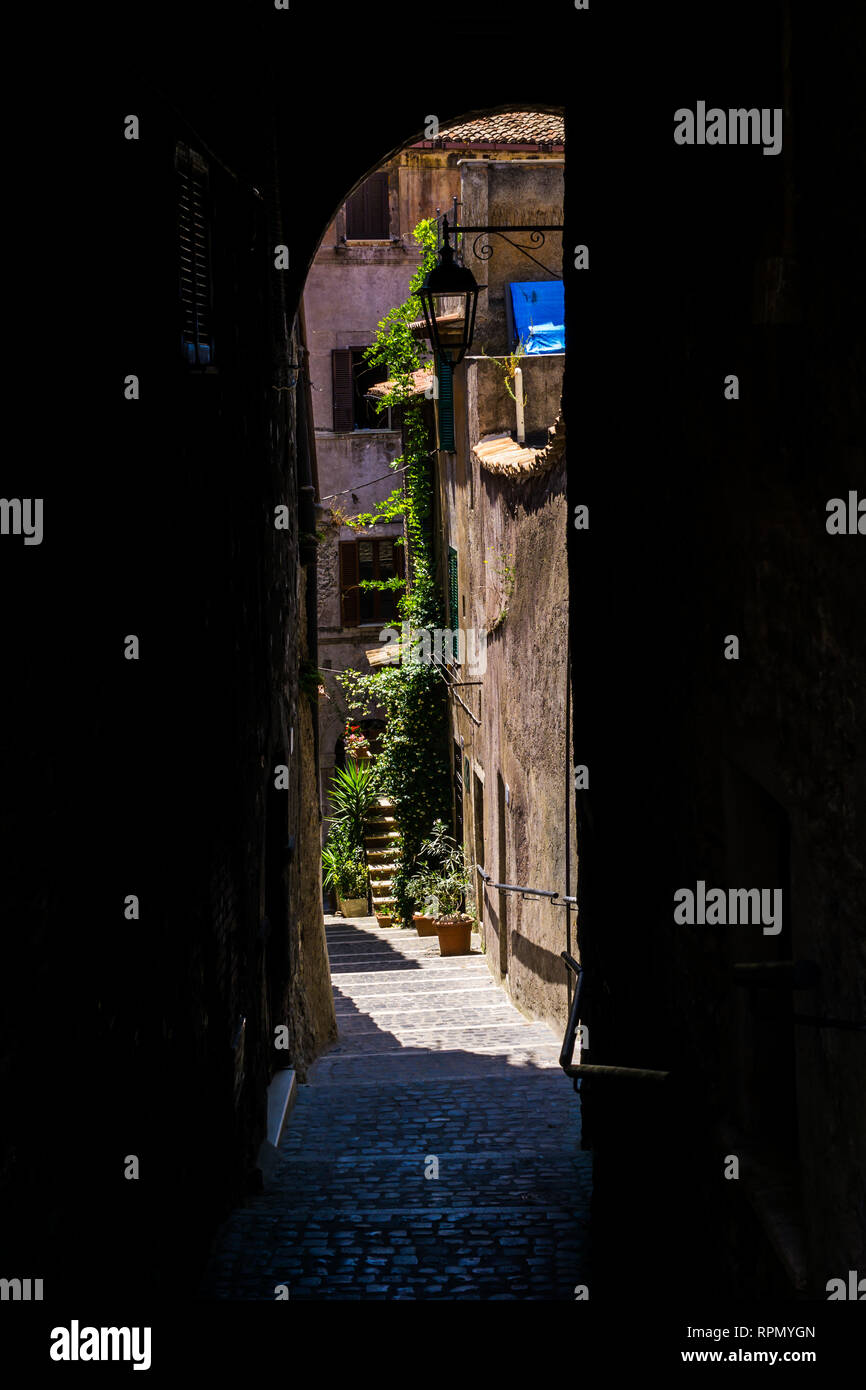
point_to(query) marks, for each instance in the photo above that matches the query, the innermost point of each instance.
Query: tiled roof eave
(500, 453)
(422, 379)
(503, 146)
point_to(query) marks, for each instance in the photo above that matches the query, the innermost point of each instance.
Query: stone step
(386, 835)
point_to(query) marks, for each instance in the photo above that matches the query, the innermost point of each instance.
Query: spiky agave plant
(353, 793)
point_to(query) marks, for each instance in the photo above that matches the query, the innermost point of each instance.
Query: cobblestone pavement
(432, 1063)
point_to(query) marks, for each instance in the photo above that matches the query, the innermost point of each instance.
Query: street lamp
(449, 297)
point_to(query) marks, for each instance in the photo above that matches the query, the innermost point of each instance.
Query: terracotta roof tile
(421, 380)
(509, 128)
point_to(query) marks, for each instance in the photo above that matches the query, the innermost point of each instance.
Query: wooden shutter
(445, 407)
(380, 212)
(344, 396)
(453, 598)
(349, 583)
(195, 258)
(368, 216)
(458, 795)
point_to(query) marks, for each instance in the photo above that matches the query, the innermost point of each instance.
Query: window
(453, 606)
(374, 559)
(368, 216)
(352, 378)
(195, 257)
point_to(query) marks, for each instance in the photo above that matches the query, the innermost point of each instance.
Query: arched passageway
(461, 1173)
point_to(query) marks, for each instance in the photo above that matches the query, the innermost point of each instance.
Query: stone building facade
(503, 513)
(362, 269)
(502, 549)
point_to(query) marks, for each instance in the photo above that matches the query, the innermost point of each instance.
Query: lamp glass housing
(449, 298)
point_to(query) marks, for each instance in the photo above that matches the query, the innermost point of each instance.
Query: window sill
(348, 434)
(391, 249)
(364, 629)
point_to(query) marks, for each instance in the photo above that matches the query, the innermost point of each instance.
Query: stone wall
(163, 1016)
(350, 288)
(503, 193)
(510, 536)
(707, 518)
(490, 407)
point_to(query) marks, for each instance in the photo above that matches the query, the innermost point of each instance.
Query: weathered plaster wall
(490, 407)
(510, 192)
(522, 742)
(351, 461)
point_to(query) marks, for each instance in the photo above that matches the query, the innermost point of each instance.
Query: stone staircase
(380, 839)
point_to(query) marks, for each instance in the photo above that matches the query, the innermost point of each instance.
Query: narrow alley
(433, 1067)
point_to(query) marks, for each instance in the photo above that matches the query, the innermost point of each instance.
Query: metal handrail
(580, 1069)
(552, 896)
(516, 888)
(587, 1069)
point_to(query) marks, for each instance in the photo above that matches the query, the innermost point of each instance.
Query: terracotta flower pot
(383, 919)
(455, 935)
(353, 907)
(425, 926)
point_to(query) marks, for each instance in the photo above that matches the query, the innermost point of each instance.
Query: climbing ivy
(412, 767)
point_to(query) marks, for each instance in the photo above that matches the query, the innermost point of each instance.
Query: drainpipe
(518, 398)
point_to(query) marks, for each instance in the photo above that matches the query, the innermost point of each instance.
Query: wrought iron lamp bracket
(482, 249)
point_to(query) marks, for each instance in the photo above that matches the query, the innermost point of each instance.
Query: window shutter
(446, 407)
(367, 212)
(454, 612)
(195, 257)
(380, 218)
(344, 400)
(349, 583)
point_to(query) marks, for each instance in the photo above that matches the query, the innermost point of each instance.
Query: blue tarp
(539, 315)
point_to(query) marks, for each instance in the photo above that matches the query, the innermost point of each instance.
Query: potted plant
(421, 889)
(444, 884)
(345, 870)
(352, 793)
(352, 886)
(356, 743)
